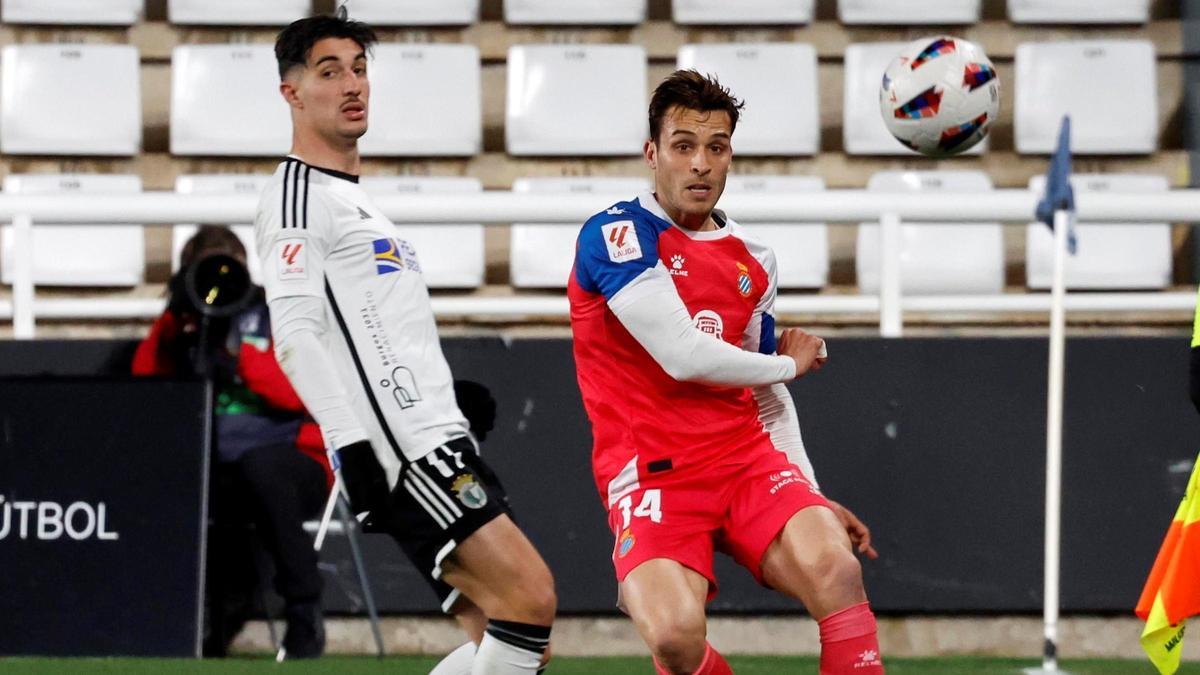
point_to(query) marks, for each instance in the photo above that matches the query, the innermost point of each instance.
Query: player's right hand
(365, 481)
(808, 351)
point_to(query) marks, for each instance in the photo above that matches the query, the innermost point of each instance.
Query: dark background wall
(937, 443)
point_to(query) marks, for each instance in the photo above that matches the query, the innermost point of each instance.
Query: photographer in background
(269, 464)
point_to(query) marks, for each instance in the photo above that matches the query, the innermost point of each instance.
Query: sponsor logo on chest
(395, 255)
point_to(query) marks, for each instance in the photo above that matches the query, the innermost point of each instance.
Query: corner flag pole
(1056, 209)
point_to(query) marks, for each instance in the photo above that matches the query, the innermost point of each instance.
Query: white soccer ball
(940, 95)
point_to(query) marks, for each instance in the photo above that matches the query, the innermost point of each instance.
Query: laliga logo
(79, 521)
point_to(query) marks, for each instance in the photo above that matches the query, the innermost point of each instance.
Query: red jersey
(643, 419)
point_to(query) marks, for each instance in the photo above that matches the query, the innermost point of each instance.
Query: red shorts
(683, 515)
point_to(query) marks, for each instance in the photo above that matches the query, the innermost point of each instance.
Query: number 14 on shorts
(650, 507)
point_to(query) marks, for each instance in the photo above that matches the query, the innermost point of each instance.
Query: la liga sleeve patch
(290, 259)
(621, 241)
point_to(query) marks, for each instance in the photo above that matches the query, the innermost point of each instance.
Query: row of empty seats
(573, 12)
(562, 100)
(934, 258)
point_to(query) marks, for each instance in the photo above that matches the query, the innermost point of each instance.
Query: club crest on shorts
(625, 543)
(744, 284)
(469, 492)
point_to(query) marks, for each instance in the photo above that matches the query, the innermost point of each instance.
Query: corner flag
(1172, 591)
(1059, 196)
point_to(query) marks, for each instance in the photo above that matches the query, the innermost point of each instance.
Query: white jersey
(319, 235)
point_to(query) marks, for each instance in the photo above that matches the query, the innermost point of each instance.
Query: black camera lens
(218, 285)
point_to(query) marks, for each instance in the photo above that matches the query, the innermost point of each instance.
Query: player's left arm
(775, 406)
(777, 410)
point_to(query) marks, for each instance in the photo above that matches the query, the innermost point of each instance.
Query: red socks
(713, 664)
(849, 644)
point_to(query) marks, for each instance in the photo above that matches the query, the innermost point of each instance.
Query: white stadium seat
(1079, 11)
(863, 130)
(60, 99)
(778, 82)
(801, 249)
(611, 12)
(576, 100)
(79, 255)
(908, 13)
(72, 12)
(414, 112)
(1108, 87)
(1108, 256)
(225, 100)
(541, 255)
(415, 12)
(944, 258)
(237, 12)
(220, 184)
(451, 256)
(744, 12)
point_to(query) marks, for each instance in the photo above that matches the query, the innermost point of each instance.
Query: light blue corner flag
(1059, 196)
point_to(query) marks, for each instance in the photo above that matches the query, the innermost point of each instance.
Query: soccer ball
(940, 95)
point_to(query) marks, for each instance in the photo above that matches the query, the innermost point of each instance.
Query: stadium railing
(496, 207)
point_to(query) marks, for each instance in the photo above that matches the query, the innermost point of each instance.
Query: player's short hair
(295, 43)
(209, 240)
(695, 91)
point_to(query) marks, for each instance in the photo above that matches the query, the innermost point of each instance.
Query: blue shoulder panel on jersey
(766, 340)
(615, 246)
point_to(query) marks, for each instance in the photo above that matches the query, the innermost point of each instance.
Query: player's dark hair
(694, 91)
(210, 239)
(295, 43)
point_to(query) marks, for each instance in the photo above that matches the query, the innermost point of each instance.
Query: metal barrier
(494, 207)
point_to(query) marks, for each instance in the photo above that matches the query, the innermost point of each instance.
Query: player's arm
(639, 291)
(293, 264)
(776, 408)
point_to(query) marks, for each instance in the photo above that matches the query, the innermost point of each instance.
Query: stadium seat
(778, 82)
(612, 12)
(79, 255)
(1108, 256)
(225, 101)
(746, 12)
(220, 184)
(237, 12)
(541, 255)
(72, 12)
(415, 12)
(1108, 87)
(60, 99)
(863, 130)
(413, 112)
(576, 100)
(943, 258)
(801, 249)
(451, 256)
(908, 13)
(1079, 11)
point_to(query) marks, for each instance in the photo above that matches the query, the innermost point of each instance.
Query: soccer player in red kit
(696, 442)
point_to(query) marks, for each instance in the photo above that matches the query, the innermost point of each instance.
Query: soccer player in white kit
(355, 333)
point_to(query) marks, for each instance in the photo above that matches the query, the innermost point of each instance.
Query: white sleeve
(778, 414)
(298, 326)
(651, 310)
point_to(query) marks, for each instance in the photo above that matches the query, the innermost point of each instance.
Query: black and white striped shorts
(440, 500)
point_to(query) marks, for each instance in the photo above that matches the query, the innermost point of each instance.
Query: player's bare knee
(837, 574)
(676, 639)
(540, 602)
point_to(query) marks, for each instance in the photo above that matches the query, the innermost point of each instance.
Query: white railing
(833, 206)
